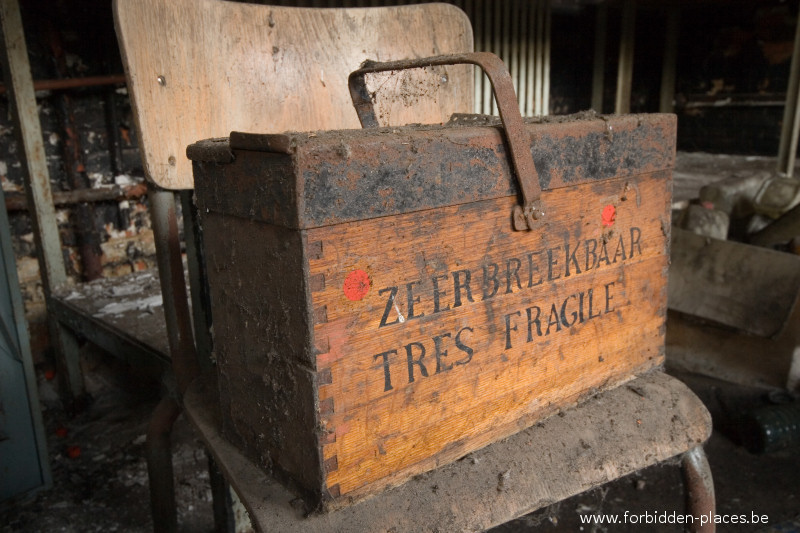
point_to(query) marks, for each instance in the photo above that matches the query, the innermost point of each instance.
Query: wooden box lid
(316, 179)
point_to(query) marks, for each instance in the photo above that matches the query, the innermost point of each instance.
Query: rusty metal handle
(524, 216)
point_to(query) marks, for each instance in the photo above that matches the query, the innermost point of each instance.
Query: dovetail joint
(321, 315)
(331, 464)
(324, 377)
(326, 406)
(315, 250)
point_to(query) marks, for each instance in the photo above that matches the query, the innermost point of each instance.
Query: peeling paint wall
(89, 140)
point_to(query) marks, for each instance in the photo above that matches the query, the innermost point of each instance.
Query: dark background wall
(732, 69)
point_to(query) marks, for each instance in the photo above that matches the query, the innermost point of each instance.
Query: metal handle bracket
(526, 216)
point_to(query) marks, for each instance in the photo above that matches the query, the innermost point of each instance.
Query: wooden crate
(375, 313)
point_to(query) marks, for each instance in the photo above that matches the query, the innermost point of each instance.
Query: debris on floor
(732, 284)
(97, 460)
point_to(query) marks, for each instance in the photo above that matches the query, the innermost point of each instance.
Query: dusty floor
(104, 487)
(97, 459)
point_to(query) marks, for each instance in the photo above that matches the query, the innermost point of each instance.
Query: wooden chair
(283, 68)
(202, 68)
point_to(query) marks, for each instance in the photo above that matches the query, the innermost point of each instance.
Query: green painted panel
(23, 456)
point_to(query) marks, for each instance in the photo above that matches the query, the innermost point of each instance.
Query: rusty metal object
(700, 499)
(74, 83)
(173, 286)
(84, 217)
(224, 516)
(182, 352)
(531, 210)
(158, 450)
(18, 202)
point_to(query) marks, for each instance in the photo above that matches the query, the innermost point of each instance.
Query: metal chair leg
(700, 500)
(177, 316)
(182, 352)
(224, 521)
(159, 466)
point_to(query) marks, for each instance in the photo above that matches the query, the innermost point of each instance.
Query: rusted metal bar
(173, 287)
(83, 215)
(18, 201)
(182, 353)
(224, 519)
(700, 499)
(158, 451)
(74, 83)
(531, 210)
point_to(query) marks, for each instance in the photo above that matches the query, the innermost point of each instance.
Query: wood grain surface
(460, 331)
(202, 68)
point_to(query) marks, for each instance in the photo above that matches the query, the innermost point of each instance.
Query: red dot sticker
(356, 285)
(73, 452)
(609, 215)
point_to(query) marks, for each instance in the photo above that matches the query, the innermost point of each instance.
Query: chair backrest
(203, 68)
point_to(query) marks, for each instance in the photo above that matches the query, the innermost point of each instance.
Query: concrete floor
(105, 487)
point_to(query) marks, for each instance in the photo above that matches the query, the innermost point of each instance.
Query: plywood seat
(648, 420)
